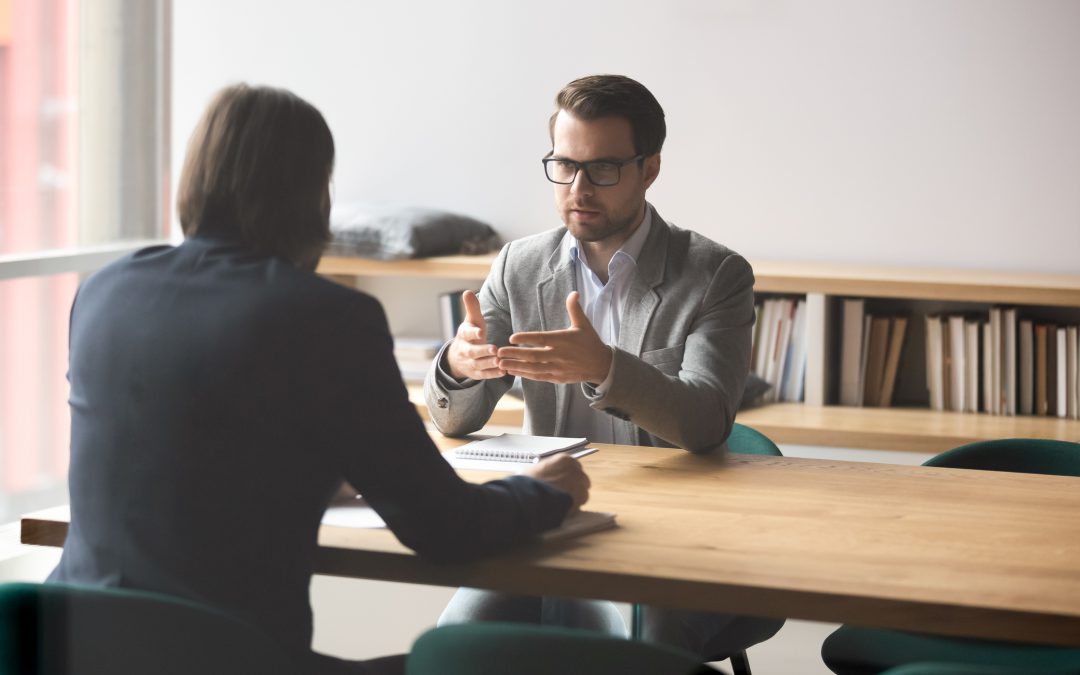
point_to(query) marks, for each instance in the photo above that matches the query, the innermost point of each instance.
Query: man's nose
(581, 185)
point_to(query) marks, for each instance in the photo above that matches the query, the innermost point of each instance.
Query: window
(83, 179)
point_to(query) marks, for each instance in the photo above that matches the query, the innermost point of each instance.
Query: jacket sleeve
(695, 407)
(380, 444)
(462, 408)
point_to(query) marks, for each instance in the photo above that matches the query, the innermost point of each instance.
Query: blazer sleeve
(457, 409)
(382, 448)
(695, 408)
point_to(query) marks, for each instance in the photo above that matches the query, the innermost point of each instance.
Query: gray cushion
(388, 232)
(754, 392)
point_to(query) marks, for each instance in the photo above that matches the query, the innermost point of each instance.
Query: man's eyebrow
(613, 160)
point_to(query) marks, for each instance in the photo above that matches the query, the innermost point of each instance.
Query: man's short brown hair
(257, 169)
(596, 96)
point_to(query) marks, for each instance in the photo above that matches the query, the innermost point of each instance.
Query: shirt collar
(631, 248)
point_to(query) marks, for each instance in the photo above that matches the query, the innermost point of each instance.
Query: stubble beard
(605, 228)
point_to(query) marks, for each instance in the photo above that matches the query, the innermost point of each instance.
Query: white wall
(937, 132)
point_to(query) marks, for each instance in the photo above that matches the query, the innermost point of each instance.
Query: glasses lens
(560, 171)
(603, 173)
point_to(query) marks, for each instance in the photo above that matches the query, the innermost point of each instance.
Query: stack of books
(869, 355)
(779, 351)
(1002, 365)
(414, 356)
(451, 313)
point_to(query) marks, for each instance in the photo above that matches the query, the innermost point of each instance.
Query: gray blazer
(684, 342)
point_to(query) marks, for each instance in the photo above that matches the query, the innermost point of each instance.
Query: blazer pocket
(667, 360)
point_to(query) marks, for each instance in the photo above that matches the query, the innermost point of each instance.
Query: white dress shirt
(603, 305)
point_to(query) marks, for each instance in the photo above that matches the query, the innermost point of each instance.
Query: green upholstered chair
(525, 649)
(52, 629)
(747, 441)
(968, 669)
(853, 650)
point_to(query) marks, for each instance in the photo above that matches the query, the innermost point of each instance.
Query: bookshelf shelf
(812, 423)
(443, 267)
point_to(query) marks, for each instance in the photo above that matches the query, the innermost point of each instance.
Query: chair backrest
(750, 441)
(1021, 455)
(972, 669)
(55, 629)
(523, 649)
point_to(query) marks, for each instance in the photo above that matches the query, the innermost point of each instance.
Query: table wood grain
(951, 551)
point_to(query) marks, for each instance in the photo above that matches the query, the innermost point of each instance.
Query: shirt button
(442, 403)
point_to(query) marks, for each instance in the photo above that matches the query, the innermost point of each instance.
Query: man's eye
(603, 167)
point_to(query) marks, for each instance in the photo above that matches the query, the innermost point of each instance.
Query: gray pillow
(388, 232)
(754, 393)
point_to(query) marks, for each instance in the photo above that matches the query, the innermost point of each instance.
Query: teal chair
(747, 441)
(966, 669)
(524, 649)
(853, 650)
(52, 629)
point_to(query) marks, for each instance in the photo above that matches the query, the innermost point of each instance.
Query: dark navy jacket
(218, 398)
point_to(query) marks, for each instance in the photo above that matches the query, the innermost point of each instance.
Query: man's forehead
(601, 138)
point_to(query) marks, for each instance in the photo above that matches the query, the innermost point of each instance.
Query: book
(995, 361)
(946, 365)
(451, 313)
(957, 364)
(892, 359)
(794, 375)
(971, 365)
(935, 363)
(1073, 370)
(1027, 367)
(851, 352)
(520, 448)
(987, 367)
(1008, 346)
(1051, 370)
(1062, 377)
(877, 348)
(577, 524)
(783, 339)
(1040, 369)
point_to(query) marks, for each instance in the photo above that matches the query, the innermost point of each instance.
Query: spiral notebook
(517, 448)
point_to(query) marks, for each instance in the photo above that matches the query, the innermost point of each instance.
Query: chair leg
(740, 664)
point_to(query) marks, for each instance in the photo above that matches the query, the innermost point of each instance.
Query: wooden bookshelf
(813, 423)
(443, 267)
(792, 277)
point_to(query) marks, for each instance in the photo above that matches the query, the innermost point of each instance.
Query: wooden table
(950, 551)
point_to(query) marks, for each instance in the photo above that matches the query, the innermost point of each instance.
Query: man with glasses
(622, 327)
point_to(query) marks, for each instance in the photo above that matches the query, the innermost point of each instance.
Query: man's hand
(565, 473)
(575, 354)
(469, 354)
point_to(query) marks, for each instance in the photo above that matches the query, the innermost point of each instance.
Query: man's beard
(605, 228)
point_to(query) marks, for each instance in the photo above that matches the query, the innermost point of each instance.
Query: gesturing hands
(574, 354)
(469, 354)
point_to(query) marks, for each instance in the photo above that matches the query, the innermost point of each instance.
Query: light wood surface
(910, 429)
(869, 281)
(958, 552)
(906, 429)
(442, 267)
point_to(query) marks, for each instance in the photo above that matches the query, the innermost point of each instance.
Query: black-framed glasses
(600, 172)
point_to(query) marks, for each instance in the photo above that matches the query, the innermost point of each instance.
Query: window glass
(34, 421)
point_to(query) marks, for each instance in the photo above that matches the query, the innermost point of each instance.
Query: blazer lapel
(551, 295)
(641, 299)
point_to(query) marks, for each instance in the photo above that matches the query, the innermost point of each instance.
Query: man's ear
(652, 169)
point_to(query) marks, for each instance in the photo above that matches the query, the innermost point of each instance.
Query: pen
(584, 453)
